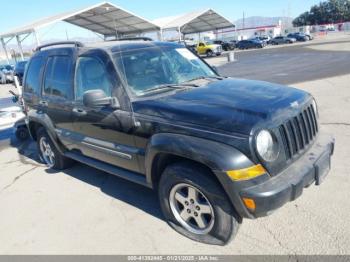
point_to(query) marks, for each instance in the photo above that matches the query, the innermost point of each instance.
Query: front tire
(195, 205)
(210, 53)
(49, 154)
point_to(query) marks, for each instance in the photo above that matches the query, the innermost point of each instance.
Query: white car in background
(6, 74)
(10, 113)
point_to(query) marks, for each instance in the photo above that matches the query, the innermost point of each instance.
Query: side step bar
(119, 172)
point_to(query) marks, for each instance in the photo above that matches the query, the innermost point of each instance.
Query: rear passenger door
(57, 94)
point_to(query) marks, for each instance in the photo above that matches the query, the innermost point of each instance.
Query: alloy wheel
(192, 209)
(47, 154)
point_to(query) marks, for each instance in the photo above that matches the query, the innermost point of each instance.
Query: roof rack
(142, 38)
(74, 43)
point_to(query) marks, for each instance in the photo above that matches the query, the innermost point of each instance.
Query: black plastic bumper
(289, 184)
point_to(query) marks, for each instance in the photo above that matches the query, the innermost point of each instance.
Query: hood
(232, 105)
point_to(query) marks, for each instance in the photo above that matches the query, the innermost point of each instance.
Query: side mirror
(98, 98)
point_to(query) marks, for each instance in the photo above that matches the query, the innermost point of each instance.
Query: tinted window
(58, 76)
(32, 82)
(90, 75)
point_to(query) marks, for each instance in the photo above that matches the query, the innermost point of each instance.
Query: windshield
(148, 68)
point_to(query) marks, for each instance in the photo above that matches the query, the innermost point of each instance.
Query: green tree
(331, 11)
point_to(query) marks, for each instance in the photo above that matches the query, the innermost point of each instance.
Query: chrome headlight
(267, 146)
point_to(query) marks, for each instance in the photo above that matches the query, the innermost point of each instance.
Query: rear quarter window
(32, 81)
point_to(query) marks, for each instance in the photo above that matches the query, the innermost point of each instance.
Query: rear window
(32, 81)
(58, 76)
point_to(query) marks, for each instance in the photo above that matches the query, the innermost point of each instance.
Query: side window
(91, 74)
(58, 76)
(32, 82)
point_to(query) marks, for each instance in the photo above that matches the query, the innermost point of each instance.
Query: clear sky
(17, 13)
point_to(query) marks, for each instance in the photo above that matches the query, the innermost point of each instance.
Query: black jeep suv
(216, 149)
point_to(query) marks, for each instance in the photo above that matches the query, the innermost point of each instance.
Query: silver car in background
(280, 40)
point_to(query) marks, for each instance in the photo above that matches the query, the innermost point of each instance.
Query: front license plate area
(322, 166)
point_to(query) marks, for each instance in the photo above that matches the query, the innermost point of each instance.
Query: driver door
(102, 133)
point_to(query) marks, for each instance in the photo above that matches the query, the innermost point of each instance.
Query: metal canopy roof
(104, 18)
(195, 22)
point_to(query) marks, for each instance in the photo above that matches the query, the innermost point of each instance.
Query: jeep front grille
(299, 132)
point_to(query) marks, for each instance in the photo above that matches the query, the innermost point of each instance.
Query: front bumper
(311, 168)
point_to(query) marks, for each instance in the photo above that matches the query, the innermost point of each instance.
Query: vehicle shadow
(133, 194)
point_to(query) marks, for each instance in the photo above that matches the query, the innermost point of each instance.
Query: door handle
(79, 112)
(43, 103)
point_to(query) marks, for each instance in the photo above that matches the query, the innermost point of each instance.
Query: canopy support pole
(160, 35)
(36, 38)
(19, 43)
(179, 32)
(5, 49)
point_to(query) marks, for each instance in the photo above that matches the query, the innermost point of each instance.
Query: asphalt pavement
(291, 63)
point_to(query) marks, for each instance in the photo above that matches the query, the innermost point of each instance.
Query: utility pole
(243, 20)
(243, 26)
(67, 35)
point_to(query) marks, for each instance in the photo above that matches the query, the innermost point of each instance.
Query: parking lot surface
(85, 211)
(291, 64)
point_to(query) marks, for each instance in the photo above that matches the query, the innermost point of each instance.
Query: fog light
(249, 203)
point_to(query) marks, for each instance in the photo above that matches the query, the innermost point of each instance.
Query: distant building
(247, 33)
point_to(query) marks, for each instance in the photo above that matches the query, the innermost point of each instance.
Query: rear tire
(48, 153)
(209, 216)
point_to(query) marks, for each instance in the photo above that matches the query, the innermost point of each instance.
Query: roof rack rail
(74, 43)
(141, 38)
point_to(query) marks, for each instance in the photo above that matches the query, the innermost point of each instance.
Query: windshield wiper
(207, 77)
(168, 86)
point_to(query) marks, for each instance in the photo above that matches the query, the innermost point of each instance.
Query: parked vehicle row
(8, 72)
(216, 47)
